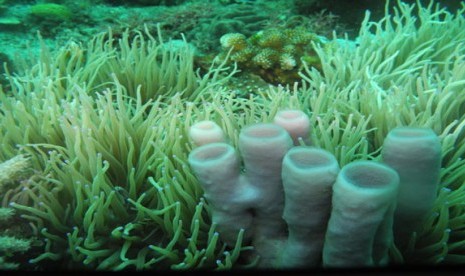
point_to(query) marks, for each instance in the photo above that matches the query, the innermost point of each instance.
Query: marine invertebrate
(108, 197)
(415, 153)
(234, 41)
(274, 54)
(308, 176)
(360, 226)
(253, 201)
(130, 205)
(406, 70)
(364, 198)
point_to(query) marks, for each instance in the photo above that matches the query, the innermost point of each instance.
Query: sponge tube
(363, 199)
(216, 166)
(262, 148)
(206, 132)
(296, 123)
(415, 153)
(308, 176)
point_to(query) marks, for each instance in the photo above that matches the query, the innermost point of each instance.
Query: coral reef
(106, 122)
(201, 22)
(14, 241)
(204, 23)
(276, 55)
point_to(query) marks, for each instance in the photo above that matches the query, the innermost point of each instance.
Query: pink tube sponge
(206, 132)
(296, 123)
(415, 153)
(360, 227)
(308, 176)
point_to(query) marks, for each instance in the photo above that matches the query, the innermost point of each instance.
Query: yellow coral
(236, 41)
(290, 49)
(13, 170)
(273, 54)
(271, 38)
(266, 58)
(287, 62)
(300, 36)
(243, 55)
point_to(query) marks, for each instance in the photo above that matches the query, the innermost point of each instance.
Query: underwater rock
(147, 2)
(51, 12)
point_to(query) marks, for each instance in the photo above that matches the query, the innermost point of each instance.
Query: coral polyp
(277, 55)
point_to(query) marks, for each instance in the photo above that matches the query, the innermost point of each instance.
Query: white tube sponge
(415, 153)
(262, 147)
(216, 166)
(308, 177)
(206, 132)
(363, 199)
(296, 123)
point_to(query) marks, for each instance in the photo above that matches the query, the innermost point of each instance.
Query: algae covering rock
(148, 2)
(51, 12)
(276, 55)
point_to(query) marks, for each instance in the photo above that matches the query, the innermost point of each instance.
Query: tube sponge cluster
(252, 201)
(298, 207)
